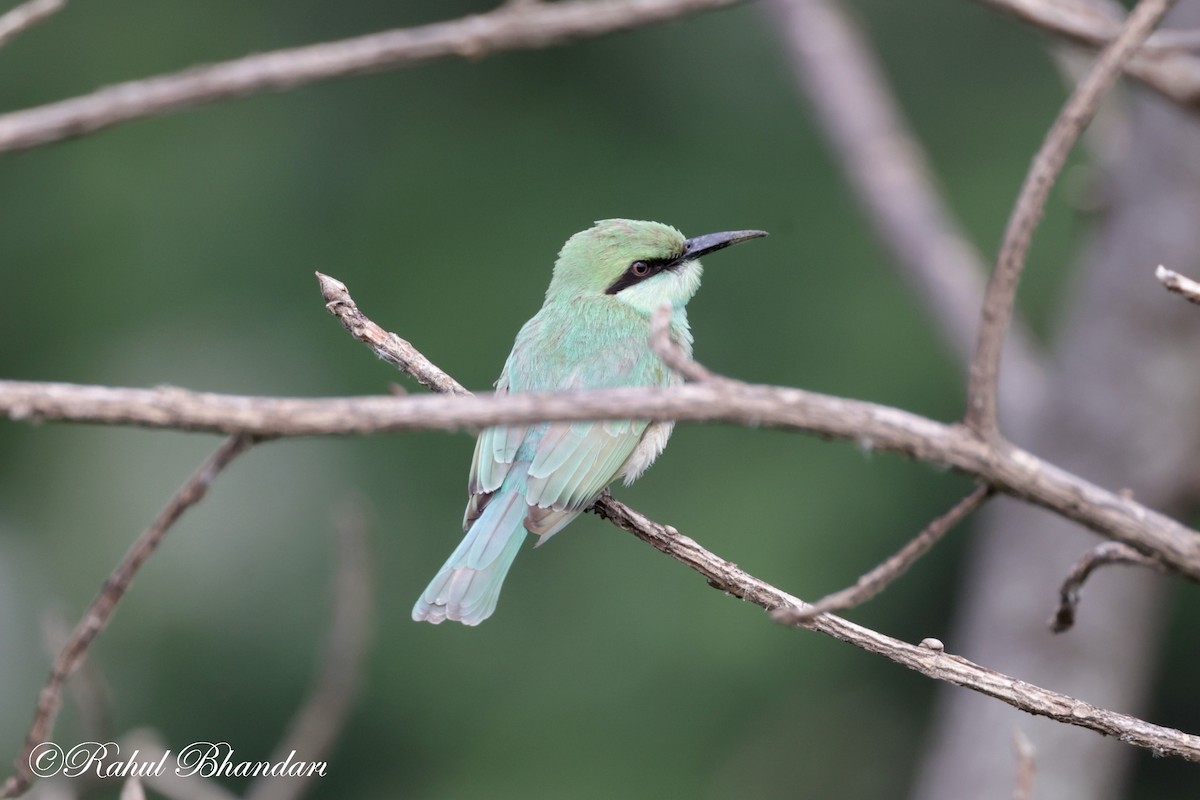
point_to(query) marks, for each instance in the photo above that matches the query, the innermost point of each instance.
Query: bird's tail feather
(468, 584)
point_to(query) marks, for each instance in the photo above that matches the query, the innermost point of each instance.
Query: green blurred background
(181, 251)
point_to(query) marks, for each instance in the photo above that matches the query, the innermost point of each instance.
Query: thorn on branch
(881, 576)
(1102, 555)
(1179, 284)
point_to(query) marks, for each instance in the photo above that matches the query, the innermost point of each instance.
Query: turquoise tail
(468, 584)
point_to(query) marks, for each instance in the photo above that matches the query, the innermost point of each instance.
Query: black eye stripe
(634, 273)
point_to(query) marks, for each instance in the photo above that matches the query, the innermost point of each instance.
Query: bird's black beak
(699, 245)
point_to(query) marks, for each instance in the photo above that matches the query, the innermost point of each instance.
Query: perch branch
(1007, 468)
(1102, 555)
(932, 662)
(101, 609)
(1180, 285)
(1012, 471)
(25, 16)
(509, 27)
(1000, 295)
(882, 576)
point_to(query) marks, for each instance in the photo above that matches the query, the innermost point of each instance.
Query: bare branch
(882, 576)
(1026, 766)
(525, 26)
(102, 607)
(925, 658)
(388, 346)
(929, 661)
(1001, 291)
(315, 728)
(25, 16)
(1009, 469)
(1160, 64)
(1102, 555)
(890, 174)
(1178, 284)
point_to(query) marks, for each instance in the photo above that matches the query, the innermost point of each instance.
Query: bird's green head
(643, 264)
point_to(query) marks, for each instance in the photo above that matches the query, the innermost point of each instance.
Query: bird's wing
(574, 461)
(565, 464)
(495, 451)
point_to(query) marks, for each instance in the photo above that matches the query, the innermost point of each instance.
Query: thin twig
(388, 346)
(1010, 469)
(1180, 285)
(319, 722)
(25, 16)
(1026, 765)
(669, 350)
(102, 607)
(930, 661)
(890, 175)
(1102, 555)
(882, 576)
(1000, 296)
(89, 691)
(521, 27)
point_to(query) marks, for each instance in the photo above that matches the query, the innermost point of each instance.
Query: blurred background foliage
(181, 251)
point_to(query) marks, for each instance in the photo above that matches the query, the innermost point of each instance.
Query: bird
(592, 332)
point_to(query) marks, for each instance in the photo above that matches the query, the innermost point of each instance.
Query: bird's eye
(640, 268)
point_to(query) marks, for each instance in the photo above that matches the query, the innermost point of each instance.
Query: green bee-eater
(592, 332)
